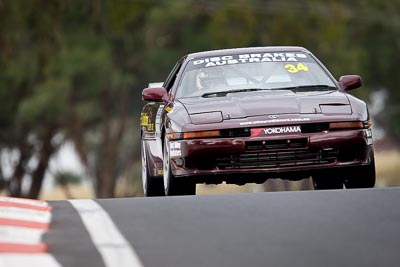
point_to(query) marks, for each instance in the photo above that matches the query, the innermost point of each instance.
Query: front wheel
(363, 176)
(152, 186)
(175, 186)
(326, 182)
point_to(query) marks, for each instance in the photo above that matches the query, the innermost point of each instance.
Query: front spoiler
(194, 152)
(261, 175)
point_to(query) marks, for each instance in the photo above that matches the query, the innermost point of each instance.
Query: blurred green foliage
(66, 178)
(78, 67)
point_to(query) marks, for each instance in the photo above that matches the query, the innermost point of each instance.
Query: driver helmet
(210, 78)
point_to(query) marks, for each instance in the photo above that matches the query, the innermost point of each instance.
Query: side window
(172, 75)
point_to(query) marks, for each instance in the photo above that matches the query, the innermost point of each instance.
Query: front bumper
(291, 156)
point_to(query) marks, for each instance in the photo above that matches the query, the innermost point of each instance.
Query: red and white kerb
(22, 225)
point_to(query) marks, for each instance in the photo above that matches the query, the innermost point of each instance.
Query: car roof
(244, 50)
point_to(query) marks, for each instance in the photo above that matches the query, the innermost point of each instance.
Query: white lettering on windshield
(250, 58)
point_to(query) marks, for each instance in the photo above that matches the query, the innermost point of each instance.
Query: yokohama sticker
(275, 130)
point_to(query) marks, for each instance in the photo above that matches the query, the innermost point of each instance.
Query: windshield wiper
(305, 88)
(300, 88)
(224, 93)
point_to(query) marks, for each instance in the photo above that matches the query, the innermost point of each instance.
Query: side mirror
(155, 94)
(349, 82)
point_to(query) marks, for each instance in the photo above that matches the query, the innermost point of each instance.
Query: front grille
(276, 144)
(276, 159)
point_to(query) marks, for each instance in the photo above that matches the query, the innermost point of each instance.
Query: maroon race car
(249, 114)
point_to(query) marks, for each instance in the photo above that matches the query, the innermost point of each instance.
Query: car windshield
(252, 72)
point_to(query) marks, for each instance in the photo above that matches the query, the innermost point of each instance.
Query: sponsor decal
(368, 135)
(168, 109)
(274, 121)
(291, 68)
(249, 58)
(275, 130)
(145, 120)
(273, 116)
(175, 149)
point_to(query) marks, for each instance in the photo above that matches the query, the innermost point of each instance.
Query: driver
(211, 78)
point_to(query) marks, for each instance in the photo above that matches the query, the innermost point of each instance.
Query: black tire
(326, 182)
(363, 176)
(174, 186)
(152, 186)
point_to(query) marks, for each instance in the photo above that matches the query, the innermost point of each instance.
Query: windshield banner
(248, 58)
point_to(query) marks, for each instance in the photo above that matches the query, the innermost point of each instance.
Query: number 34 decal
(294, 69)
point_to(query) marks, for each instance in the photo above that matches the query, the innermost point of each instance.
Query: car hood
(248, 104)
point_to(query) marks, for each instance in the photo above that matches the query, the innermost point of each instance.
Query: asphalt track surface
(308, 228)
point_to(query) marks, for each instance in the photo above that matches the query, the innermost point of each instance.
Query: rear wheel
(174, 186)
(152, 186)
(325, 182)
(362, 177)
